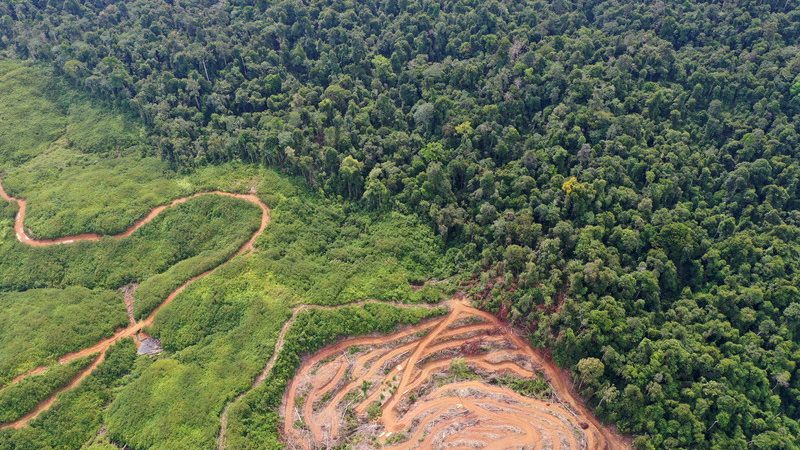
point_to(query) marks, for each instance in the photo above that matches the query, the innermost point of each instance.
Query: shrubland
(77, 415)
(219, 333)
(18, 399)
(39, 325)
(200, 227)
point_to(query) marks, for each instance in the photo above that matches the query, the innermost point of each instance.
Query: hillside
(200, 275)
(617, 178)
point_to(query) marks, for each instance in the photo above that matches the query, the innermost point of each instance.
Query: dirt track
(134, 328)
(461, 413)
(409, 380)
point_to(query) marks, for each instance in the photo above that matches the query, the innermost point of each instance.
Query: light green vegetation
(200, 226)
(85, 173)
(218, 335)
(254, 421)
(77, 416)
(28, 120)
(536, 387)
(332, 257)
(459, 371)
(221, 330)
(16, 400)
(52, 137)
(38, 325)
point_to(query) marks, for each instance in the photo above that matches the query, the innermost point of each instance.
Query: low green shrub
(18, 399)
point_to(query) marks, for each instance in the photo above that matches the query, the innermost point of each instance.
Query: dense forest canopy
(621, 176)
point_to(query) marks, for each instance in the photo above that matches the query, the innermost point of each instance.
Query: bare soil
(437, 393)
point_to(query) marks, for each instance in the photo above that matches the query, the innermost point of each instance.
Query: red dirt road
(22, 235)
(135, 328)
(416, 362)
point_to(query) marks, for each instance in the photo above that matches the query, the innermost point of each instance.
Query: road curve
(132, 330)
(22, 235)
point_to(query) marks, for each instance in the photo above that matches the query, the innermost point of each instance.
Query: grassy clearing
(218, 335)
(154, 290)
(105, 195)
(67, 297)
(51, 136)
(331, 257)
(29, 122)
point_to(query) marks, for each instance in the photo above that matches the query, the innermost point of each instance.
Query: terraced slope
(446, 383)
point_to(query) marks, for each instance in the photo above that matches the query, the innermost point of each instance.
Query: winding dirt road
(134, 328)
(409, 382)
(22, 235)
(392, 369)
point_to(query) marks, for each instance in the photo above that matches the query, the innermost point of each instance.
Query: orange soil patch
(405, 391)
(262, 376)
(134, 328)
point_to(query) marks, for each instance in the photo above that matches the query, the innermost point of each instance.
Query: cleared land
(446, 383)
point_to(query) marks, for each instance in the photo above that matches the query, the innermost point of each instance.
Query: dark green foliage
(254, 421)
(332, 257)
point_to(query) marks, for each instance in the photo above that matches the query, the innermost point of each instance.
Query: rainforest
(253, 224)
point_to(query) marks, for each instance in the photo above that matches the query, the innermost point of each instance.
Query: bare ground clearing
(438, 389)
